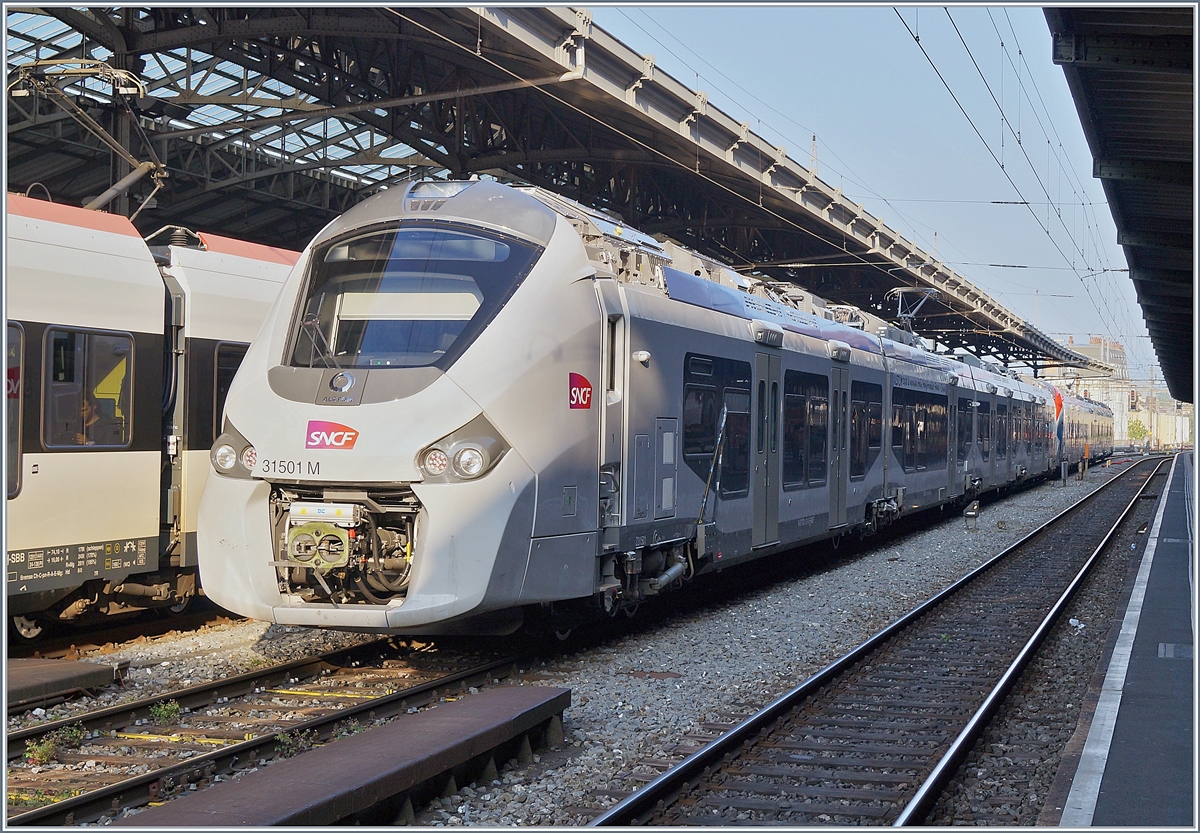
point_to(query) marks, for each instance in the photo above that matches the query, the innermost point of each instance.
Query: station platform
(40, 682)
(1136, 767)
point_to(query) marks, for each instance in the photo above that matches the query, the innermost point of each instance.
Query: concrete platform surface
(339, 779)
(1137, 767)
(34, 681)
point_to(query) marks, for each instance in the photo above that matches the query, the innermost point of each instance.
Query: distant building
(1167, 423)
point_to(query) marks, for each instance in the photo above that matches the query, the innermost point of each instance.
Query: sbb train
(472, 398)
(119, 357)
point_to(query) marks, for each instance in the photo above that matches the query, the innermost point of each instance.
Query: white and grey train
(119, 356)
(471, 398)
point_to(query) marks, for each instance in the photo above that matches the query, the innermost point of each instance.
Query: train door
(612, 405)
(766, 449)
(839, 409)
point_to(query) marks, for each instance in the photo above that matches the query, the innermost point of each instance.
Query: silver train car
(470, 399)
(119, 355)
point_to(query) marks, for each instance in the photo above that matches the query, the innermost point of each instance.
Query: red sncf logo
(322, 434)
(581, 392)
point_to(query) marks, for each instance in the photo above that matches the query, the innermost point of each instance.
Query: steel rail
(192, 697)
(927, 794)
(644, 801)
(150, 786)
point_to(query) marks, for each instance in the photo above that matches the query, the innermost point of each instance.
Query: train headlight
(469, 462)
(435, 462)
(467, 454)
(225, 457)
(249, 458)
(232, 455)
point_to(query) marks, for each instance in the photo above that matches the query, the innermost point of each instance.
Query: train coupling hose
(155, 591)
(669, 576)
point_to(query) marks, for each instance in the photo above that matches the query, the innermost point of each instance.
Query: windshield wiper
(311, 324)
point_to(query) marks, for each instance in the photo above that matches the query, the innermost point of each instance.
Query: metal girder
(1154, 239)
(456, 85)
(1146, 170)
(1124, 53)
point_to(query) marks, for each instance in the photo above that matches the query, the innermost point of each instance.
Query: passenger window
(794, 422)
(762, 416)
(710, 381)
(983, 429)
(866, 426)
(1001, 430)
(858, 439)
(774, 428)
(228, 360)
(700, 420)
(14, 396)
(806, 426)
(920, 429)
(818, 428)
(89, 390)
(735, 461)
(964, 428)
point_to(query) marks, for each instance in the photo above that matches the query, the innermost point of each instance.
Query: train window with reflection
(1001, 429)
(228, 359)
(412, 296)
(866, 426)
(818, 440)
(735, 460)
(983, 429)
(795, 418)
(88, 398)
(805, 428)
(14, 396)
(964, 428)
(700, 418)
(920, 429)
(710, 384)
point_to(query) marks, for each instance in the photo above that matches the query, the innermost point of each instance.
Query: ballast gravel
(637, 697)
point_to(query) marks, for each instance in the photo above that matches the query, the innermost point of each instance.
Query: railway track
(873, 738)
(81, 769)
(70, 642)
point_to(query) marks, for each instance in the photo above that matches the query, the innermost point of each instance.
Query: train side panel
(88, 299)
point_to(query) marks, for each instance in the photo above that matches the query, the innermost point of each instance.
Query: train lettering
(581, 392)
(12, 385)
(323, 434)
(289, 468)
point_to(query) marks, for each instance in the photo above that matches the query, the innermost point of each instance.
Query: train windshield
(412, 296)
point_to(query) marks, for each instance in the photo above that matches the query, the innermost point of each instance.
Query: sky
(950, 124)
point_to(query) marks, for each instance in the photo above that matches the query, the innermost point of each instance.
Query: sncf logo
(581, 392)
(323, 434)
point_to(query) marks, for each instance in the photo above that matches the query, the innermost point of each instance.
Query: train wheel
(180, 607)
(26, 629)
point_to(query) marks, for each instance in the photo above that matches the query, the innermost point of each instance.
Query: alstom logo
(581, 392)
(323, 434)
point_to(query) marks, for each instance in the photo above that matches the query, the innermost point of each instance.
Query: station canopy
(1130, 71)
(267, 122)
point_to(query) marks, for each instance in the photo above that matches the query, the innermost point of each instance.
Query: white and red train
(119, 356)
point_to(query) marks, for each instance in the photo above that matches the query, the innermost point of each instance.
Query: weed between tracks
(39, 798)
(291, 744)
(45, 749)
(166, 713)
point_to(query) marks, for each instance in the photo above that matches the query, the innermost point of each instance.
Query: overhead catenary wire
(1007, 174)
